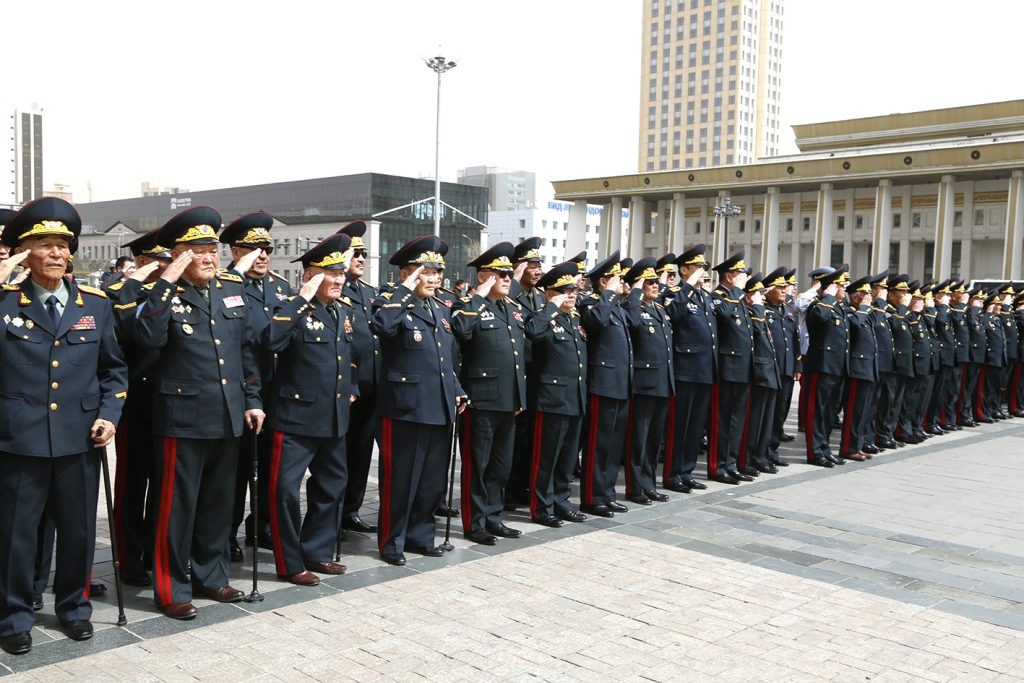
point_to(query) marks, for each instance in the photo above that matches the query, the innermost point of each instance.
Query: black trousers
(603, 445)
(1015, 392)
(522, 458)
(690, 410)
(857, 431)
(555, 442)
(890, 401)
(783, 401)
(311, 538)
(973, 406)
(66, 488)
(942, 387)
(949, 413)
(359, 450)
(134, 501)
(823, 398)
(645, 433)
(994, 389)
(412, 471)
(488, 438)
(910, 413)
(760, 427)
(728, 413)
(195, 480)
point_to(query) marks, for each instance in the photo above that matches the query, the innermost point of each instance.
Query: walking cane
(254, 510)
(447, 545)
(121, 619)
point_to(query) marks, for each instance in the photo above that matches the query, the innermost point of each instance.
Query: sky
(214, 94)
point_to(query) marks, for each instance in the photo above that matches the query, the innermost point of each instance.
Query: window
(915, 219)
(522, 223)
(840, 222)
(807, 223)
(836, 255)
(743, 225)
(757, 225)
(789, 225)
(897, 220)
(958, 219)
(696, 228)
(979, 216)
(894, 256)
(858, 221)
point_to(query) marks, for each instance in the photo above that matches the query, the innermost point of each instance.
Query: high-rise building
(507, 190)
(710, 82)
(23, 162)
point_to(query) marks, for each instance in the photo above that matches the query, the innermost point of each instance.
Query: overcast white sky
(217, 94)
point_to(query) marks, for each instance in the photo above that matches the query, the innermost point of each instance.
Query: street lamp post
(439, 65)
(724, 211)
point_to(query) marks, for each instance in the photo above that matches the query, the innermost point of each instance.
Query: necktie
(259, 285)
(333, 310)
(204, 292)
(51, 308)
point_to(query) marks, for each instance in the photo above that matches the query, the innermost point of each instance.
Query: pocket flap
(560, 380)
(179, 388)
(403, 377)
(91, 402)
(477, 373)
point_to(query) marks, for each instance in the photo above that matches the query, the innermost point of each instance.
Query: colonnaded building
(936, 193)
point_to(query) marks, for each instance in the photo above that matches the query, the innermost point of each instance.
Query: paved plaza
(906, 567)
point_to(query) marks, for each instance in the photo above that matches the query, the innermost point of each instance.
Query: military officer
(894, 384)
(133, 504)
(1016, 389)
(557, 396)
(653, 386)
(941, 412)
(885, 359)
(1010, 332)
(995, 359)
(916, 395)
(490, 329)
(580, 260)
(607, 319)
(825, 364)
(974, 384)
(863, 374)
(781, 323)
(417, 403)
(955, 414)
(208, 388)
(666, 266)
(308, 414)
(367, 351)
(61, 394)
(764, 383)
(735, 363)
(800, 304)
(251, 247)
(694, 362)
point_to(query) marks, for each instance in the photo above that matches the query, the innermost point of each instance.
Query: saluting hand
(174, 271)
(243, 264)
(413, 279)
(520, 268)
(485, 287)
(695, 277)
(8, 265)
(141, 274)
(613, 283)
(559, 300)
(757, 298)
(310, 287)
(832, 289)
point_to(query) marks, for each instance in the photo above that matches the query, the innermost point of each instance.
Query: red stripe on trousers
(275, 520)
(844, 443)
(161, 550)
(466, 474)
(120, 480)
(629, 451)
(713, 433)
(741, 457)
(979, 404)
(809, 416)
(88, 583)
(1011, 392)
(384, 518)
(588, 479)
(538, 434)
(670, 441)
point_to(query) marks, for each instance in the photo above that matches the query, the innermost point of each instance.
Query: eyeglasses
(503, 274)
(356, 253)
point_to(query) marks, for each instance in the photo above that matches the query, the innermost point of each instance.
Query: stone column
(372, 241)
(770, 232)
(965, 257)
(638, 220)
(905, 256)
(677, 241)
(882, 233)
(1014, 227)
(943, 229)
(576, 235)
(611, 231)
(823, 226)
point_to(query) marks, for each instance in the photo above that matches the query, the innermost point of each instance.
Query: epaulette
(92, 290)
(880, 310)
(387, 295)
(229, 276)
(757, 320)
(515, 303)
(345, 300)
(116, 286)
(150, 285)
(574, 313)
(8, 287)
(595, 295)
(277, 275)
(736, 301)
(466, 299)
(675, 288)
(365, 282)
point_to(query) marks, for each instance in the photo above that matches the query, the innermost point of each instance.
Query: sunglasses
(356, 253)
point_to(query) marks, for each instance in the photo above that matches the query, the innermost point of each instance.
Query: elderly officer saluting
(309, 414)
(418, 400)
(251, 247)
(207, 388)
(489, 327)
(61, 393)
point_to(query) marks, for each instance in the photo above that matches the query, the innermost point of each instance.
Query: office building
(710, 83)
(22, 175)
(507, 190)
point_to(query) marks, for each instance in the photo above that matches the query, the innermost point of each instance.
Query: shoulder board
(658, 305)
(466, 299)
(277, 275)
(574, 313)
(444, 289)
(387, 295)
(513, 302)
(114, 287)
(228, 276)
(11, 288)
(345, 300)
(675, 288)
(595, 295)
(364, 282)
(149, 285)
(92, 290)
(876, 308)
(732, 301)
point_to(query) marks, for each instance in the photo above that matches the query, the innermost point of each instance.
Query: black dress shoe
(912, 438)
(97, 588)
(769, 469)
(18, 644)
(503, 530)
(426, 551)
(571, 516)
(823, 462)
(655, 496)
(79, 629)
(986, 420)
(787, 437)
(871, 449)
(37, 604)
(597, 510)
(138, 577)
(639, 499)
(935, 430)
(678, 487)
(970, 423)
(751, 472)
(835, 460)
(354, 523)
(234, 552)
(889, 444)
(780, 463)
(395, 559)
(739, 476)
(548, 520)
(445, 511)
(694, 484)
(616, 507)
(725, 478)
(477, 536)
